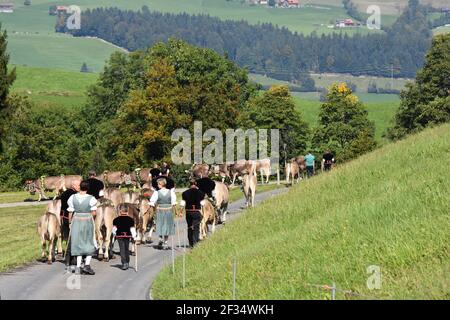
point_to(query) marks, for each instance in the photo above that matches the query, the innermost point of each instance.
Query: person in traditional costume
(124, 230)
(192, 202)
(65, 229)
(95, 186)
(154, 172)
(82, 207)
(164, 200)
(164, 174)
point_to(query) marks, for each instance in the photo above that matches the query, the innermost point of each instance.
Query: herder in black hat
(192, 201)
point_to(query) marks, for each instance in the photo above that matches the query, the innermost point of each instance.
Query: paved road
(49, 282)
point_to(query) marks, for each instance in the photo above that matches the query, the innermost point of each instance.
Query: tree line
(271, 50)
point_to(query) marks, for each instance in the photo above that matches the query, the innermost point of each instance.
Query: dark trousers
(65, 230)
(327, 167)
(193, 219)
(124, 245)
(310, 171)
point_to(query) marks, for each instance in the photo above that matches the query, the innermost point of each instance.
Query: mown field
(382, 210)
(19, 244)
(381, 112)
(53, 87)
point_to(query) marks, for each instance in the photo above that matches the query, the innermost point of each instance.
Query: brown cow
(146, 216)
(49, 230)
(113, 195)
(131, 197)
(264, 169)
(106, 213)
(222, 197)
(141, 178)
(249, 183)
(198, 171)
(54, 184)
(301, 165)
(208, 217)
(112, 178)
(242, 167)
(292, 170)
(221, 170)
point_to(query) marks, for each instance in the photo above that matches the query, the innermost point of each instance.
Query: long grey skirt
(165, 224)
(82, 240)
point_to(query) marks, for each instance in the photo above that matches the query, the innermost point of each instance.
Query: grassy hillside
(389, 208)
(53, 86)
(58, 51)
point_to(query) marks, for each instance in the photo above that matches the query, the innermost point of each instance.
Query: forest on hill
(270, 50)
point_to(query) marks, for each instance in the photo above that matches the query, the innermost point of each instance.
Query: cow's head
(30, 186)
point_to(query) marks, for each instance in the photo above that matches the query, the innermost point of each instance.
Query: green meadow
(20, 243)
(381, 109)
(53, 87)
(382, 210)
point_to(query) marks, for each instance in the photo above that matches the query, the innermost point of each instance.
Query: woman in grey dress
(164, 200)
(82, 208)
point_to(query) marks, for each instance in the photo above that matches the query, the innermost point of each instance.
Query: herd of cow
(214, 211)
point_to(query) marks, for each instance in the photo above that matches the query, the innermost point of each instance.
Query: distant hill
(385, 210)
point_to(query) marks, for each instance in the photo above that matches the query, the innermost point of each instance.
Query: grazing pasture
(56, 87)
(19, 243)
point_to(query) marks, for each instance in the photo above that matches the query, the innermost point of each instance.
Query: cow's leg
(224, 213)
(213, 226)
(107, 242)
(253, 197)
(44, 247)
(201, 229)
(50, 249)
(150, 233)
(100, 241)
(59, 244)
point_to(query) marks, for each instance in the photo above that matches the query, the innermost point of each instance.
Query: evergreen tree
(84, 68)
(343, 125)
(7, 78)
(427, 101)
